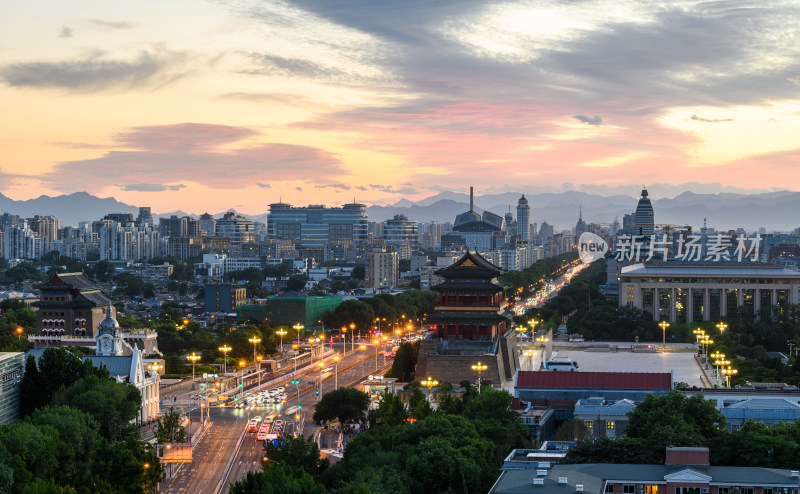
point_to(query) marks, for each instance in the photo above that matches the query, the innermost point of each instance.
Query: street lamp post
(20, 330)
(664, 325)
(336, 372)
(194, 358)
(722, 327)
(258, 369)
(321, 366)
(480, 367)
(242, 363)
(376, 342)
(311, 347)
(255, 340)
(719, 358)
(728, 373)
(281, 333)
(353, 335)
(225, 349)
(430, 383)
(344, 339)
(295, 347)
(529, 354)
(298, 327)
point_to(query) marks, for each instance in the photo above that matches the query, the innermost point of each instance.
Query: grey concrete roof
(117, 366)
(593, 475)
(765, 404)
(721, 270)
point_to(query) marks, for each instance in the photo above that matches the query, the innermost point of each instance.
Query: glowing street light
(336, 371)
(225, 349)
(728, 373)
(298, 328)
(480, 367)
(194, 358)
(19, 332)
(722, 327)
(430, 383)
(376, 343)
(281, 333)
(664, 325)
(255, 340)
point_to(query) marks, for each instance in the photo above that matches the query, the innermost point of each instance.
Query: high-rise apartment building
(523, 219)
(20, 242)
(382, 269)
(46, 228)
(321, 232)
(129, 242)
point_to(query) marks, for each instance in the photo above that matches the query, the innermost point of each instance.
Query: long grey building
(692, 292)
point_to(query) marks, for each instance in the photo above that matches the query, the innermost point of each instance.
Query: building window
(589, 425)
(734, 427)
(609, 487)
(651, 489)
(628, 489)
(745, 490)
(766, 490)
(610, 426)
(687, 490)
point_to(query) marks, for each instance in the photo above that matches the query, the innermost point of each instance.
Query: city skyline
(211, 105)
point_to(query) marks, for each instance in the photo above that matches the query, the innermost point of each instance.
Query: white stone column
(689, 306)
(706, 304)
(757, 301)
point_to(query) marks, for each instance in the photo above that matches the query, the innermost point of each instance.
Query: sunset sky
(208, 105)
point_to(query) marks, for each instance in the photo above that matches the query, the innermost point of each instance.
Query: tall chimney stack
(470, 199)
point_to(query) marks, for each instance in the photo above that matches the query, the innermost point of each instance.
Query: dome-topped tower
(109, 338)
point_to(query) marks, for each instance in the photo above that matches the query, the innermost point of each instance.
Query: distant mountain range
(771, 210)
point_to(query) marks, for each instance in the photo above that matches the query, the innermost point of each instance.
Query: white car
(257, 418)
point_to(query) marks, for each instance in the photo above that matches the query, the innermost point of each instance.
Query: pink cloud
(212, 155)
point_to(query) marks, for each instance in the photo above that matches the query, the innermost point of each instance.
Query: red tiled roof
(594, 380)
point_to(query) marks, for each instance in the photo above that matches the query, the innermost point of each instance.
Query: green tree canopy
(344, 404)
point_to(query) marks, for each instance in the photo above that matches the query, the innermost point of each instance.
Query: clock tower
(109, 336)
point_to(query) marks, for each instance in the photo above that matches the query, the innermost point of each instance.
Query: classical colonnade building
(693, 292)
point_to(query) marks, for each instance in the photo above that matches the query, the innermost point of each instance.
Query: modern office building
(402, 233)
(320, 232)
(224, 297)
(11, 369)
(207, 225)
(694, 292)
(235, 227)
(382, 270)
(644, 220)
(523, 219)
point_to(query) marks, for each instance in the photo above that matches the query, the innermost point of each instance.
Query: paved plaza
(683, 366)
